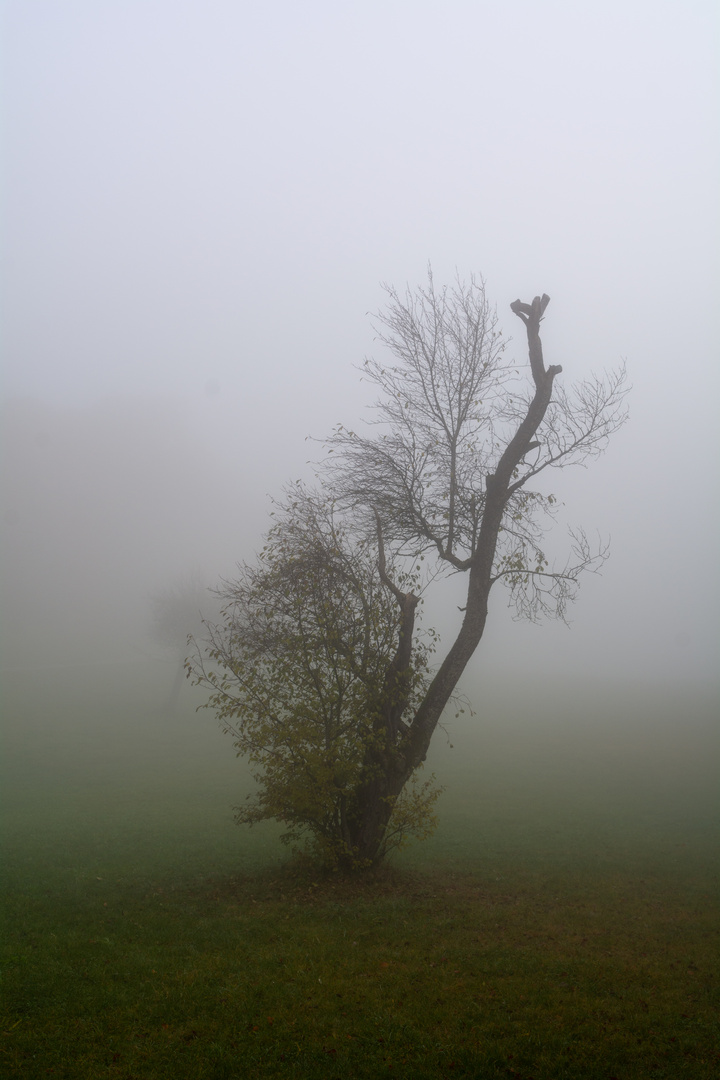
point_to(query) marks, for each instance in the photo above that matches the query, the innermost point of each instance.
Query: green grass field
(561, 924)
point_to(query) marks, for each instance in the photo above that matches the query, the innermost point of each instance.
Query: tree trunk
(374, 803)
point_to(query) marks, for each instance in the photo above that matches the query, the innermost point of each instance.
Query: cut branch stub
(531, 315)
(536, 310)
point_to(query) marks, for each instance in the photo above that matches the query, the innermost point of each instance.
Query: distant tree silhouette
(177, 615)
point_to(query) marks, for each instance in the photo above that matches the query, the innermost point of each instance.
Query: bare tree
(460, 440)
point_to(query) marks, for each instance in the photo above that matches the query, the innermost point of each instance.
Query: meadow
(561, 924)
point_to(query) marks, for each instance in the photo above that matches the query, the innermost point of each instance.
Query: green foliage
(297, 666)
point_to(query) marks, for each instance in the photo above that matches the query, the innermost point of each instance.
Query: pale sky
(200, 203)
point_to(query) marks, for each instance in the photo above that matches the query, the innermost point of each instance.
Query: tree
(444, 482)
(305, 666)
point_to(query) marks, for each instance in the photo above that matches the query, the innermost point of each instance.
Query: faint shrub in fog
(177, 613)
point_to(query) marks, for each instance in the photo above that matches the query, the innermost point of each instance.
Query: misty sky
(200, 203)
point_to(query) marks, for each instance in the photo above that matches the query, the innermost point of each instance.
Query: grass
(562, 924)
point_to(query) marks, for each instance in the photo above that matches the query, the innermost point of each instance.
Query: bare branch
(425, 474)
(536, 591)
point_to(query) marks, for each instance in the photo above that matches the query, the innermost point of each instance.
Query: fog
(200, 204)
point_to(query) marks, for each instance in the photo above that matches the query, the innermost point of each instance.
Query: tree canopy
(300, 668)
